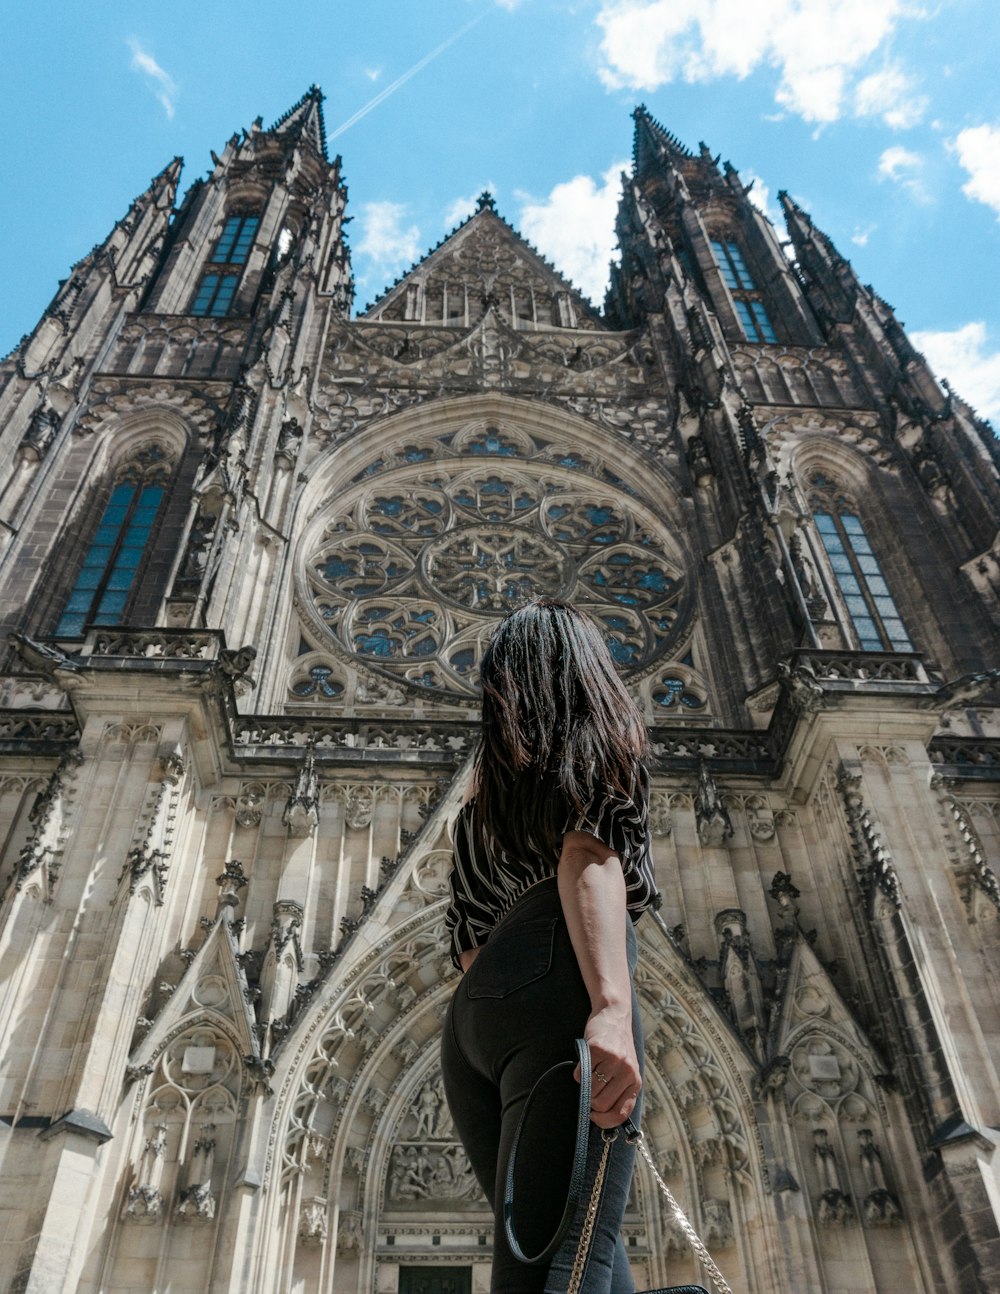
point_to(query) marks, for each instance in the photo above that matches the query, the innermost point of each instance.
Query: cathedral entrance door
(435, 1280)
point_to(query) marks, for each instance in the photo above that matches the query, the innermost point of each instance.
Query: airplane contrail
(401, 80)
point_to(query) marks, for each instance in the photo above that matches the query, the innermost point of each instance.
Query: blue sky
(882, 117)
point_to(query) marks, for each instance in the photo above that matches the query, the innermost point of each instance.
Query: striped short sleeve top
(486, 880)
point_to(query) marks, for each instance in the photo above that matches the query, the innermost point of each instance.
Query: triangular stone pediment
(810, 1001)
(213, 988)
(484, 264)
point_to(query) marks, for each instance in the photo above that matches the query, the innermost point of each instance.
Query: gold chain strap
(583, 1248)
(694, 1239)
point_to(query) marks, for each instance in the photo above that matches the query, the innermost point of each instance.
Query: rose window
(412, 572)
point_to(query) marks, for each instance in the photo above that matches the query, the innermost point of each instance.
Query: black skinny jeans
(515, 1014)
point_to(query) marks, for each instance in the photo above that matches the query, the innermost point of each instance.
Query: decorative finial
(486, 201)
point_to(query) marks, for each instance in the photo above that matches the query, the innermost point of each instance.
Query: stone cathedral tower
(250, 550)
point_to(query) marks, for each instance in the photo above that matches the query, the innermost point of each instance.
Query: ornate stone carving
(715, 826)
(301, 815)
(879, 1208)
(834, 1205)
(410, 575)
(312, 1220)
(359, 807)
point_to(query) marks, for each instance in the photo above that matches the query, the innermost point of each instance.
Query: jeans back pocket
(514, 956)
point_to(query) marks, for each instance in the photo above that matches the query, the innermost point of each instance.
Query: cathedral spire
(651, 141)
(831, 282)
(305, 120)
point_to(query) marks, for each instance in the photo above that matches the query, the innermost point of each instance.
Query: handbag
(608, 1137)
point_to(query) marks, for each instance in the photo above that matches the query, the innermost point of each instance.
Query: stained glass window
(217, 289)
(114, 556)
(750, 309)
(870, 606)
(413, 571)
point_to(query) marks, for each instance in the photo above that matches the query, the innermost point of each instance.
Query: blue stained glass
(672, 689)
(617, 622)
(89, 579)
(462, 661)
(654, 580)
(604, 537)
(375, 644)
(850, 584)
(112, 602)
(121, 580)
(336, 568)
(413, 455)
(70, 627)
(627, 599)
(856, 606)
(466, 499)
(425, 647)
(622, 653)
(763, 322)
(841, 563)
(319, 680)
(389, 507)
(878, 586)
(495, 487)
(598, 516)
(98, 555)
(571, 460)
(691, 701)
(869, 564)
(746, 321)
(79, 601)
(825, 523)
(423, 617)
(851, 523)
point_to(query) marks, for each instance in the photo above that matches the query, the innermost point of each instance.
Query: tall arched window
(747, 298)
(108, 577)
(864, 591)
(218, 284)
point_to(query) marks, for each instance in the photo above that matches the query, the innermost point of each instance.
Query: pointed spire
(651, 141)
(305, 119)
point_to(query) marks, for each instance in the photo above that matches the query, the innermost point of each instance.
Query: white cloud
(574, 227)
(889, 94)
(961, 355)
(462, 208)
(904, 168)
(372, 73)
(760, 195)
(818, 46)
(386, 241)
(160, 82)
(861, 235)
(978, 150)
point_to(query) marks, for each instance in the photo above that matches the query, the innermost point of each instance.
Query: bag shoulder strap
(579, 1161)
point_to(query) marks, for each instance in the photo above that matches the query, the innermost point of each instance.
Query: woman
(552, 867)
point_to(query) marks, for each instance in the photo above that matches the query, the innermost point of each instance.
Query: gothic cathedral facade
(251, 547)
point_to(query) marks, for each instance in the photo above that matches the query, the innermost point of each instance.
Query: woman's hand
(615, 1080)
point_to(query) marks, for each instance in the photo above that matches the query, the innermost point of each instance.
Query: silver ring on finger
(601, 1078)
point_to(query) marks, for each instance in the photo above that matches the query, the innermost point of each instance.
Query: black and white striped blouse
(486, 880)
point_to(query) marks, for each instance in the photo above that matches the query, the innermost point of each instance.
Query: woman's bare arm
(592, 891)
(466, 957)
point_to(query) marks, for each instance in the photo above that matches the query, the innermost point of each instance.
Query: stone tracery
(410, 573)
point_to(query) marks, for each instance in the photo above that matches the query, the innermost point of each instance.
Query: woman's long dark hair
(558, 726)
